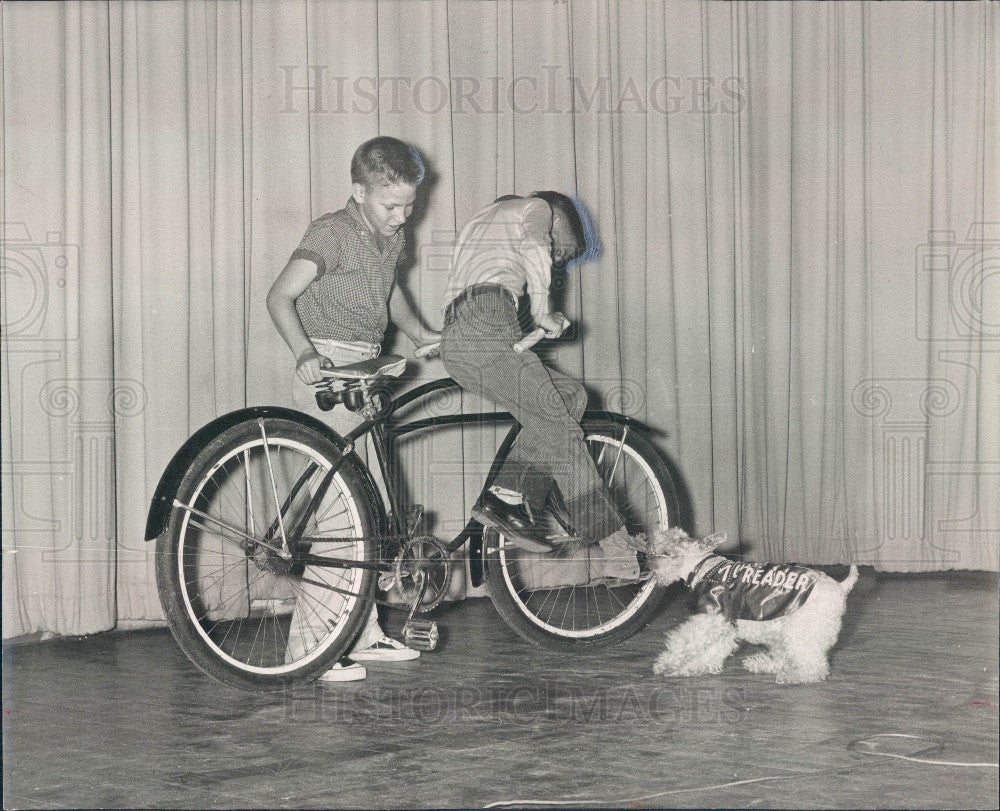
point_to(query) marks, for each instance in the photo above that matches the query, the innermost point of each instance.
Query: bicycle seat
(385, 366)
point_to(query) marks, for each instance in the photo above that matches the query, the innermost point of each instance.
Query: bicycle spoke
(243, 593)
(249, 510)
(562, 602)
(597, 608)
(330, 587)
(266, 607)
(228, 502)
(618, 455)
(235, 530)
(225, 570)
(274, 487)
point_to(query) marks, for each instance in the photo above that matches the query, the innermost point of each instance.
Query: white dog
(792, 610)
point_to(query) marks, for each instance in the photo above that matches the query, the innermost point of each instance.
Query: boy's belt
(473, 291)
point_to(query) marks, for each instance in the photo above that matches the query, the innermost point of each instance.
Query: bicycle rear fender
(610, 419)
(166, 490)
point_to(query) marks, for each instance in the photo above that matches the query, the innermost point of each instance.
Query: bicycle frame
(384, 431)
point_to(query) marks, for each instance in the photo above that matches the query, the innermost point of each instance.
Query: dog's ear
(714, 540)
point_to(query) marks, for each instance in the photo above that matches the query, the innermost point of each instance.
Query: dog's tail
(848, 582)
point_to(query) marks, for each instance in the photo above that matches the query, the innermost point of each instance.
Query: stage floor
(123, 720)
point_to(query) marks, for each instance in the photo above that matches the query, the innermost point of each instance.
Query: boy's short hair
(580, 223)
(386, 161)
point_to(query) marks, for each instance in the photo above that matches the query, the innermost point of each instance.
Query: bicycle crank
(423, 573)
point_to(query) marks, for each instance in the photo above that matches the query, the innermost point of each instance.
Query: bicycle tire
(548, 616)
(242, 614)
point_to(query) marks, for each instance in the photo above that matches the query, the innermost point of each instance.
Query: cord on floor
(863, 746)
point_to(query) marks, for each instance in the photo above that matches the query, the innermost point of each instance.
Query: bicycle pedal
(420, 634)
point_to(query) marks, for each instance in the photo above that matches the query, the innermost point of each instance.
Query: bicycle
(271, 532)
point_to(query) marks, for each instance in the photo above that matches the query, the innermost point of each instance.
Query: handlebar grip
(529, 340)
(427, 350)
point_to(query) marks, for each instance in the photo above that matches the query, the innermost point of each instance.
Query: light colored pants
(306, 625)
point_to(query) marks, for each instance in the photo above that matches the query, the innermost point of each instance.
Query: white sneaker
(385, 649)
(345, 671)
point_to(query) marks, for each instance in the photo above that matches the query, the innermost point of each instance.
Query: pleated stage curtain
(798, 205)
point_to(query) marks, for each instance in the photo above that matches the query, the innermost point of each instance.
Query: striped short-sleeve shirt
(348, 299)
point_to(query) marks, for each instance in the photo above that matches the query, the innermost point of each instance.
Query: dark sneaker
(513, 521)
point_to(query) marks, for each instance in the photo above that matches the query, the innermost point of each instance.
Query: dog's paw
(664, 666)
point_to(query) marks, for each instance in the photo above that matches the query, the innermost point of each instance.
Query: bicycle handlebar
(426, 350)
(433, 349)
(529, 340)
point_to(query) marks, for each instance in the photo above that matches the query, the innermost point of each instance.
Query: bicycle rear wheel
(547, 598)
(245, 608)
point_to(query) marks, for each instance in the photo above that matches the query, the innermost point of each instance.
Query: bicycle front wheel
(548, 598)
(247, 606)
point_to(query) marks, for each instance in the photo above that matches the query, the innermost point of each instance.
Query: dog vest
(749, 591)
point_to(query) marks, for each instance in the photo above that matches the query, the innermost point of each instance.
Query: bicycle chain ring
(422, 573)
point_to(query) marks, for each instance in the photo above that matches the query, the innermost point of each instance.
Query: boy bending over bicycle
(331, 305)
(508, 247)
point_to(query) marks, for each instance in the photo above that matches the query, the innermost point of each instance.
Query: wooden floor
(123, 720)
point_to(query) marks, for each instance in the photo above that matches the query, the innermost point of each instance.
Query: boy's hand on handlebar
(309, 365)
(428, 350)
(428, 345)
(552, 324)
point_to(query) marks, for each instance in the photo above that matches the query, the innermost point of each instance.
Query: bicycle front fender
(170, 481)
